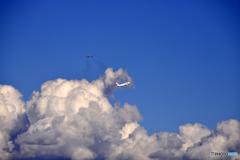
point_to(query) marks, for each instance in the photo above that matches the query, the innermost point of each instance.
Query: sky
(182, 58)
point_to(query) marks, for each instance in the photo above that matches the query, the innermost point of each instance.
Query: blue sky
(183, 55)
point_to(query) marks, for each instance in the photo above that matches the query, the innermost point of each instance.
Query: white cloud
(82, 153)
(191, 134)
(128, 129)
(11, 112)
(225, 138)
(111, 77)
(74, 119)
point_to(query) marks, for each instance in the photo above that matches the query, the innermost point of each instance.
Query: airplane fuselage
(89, 56)
(123, 84)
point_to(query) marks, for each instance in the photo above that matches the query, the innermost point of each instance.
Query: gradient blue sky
(183, 55)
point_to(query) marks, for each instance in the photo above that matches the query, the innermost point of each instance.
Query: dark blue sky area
(183, 55)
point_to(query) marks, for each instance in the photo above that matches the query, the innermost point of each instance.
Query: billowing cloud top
(74, 120)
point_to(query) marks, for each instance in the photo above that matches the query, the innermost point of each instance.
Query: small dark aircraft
(89, 56)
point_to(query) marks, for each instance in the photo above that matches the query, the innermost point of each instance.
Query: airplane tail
(117, 83)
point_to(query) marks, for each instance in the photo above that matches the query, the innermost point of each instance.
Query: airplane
(89, 56)
(123, 84)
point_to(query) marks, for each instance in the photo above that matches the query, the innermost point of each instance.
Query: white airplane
(89, 56)
(123, 84)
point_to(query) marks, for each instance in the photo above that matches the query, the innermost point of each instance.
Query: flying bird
(89, 56)
(123, 84)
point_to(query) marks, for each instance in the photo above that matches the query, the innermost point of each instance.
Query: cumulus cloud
(226, 138)
(12, 118)
(74, 120)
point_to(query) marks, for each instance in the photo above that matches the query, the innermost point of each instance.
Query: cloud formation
(74, 120)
